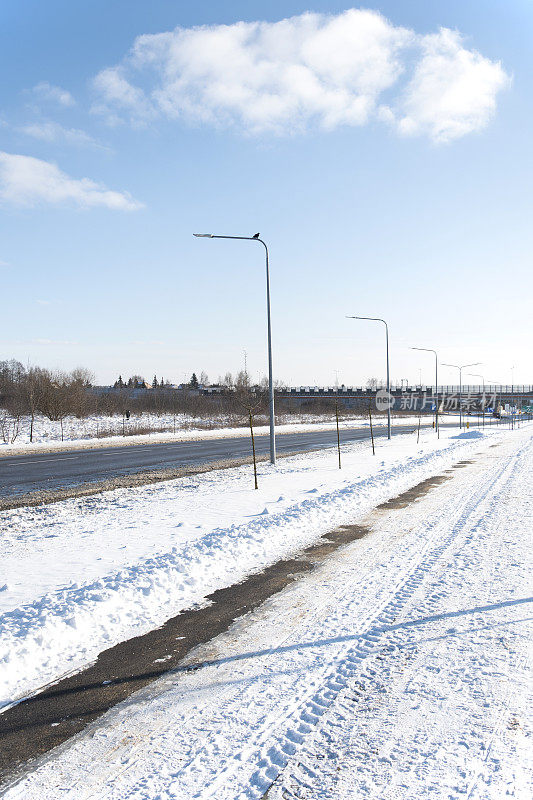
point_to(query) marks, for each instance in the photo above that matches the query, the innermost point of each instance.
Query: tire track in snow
(473, 511)
(279, 736)
(301, 780)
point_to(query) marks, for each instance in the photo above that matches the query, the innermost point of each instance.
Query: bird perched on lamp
(255, 236)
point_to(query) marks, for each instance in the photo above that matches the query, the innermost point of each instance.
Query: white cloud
(54, 132)
(28, 181)
(116, 89)
(47, 91)
(262, 76)
(120, 96)
(452, 91)
(312, 70)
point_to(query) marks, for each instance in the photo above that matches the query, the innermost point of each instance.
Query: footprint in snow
(312, 491)
(264, 512)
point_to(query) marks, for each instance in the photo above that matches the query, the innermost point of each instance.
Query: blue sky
(376, 199)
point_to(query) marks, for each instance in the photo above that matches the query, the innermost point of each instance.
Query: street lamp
(256, 238)
(477, 375)
(461, 368)
(495, 384)
(378, 319)
(429, 350)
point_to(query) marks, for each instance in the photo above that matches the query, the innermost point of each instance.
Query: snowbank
(83, 575)
(469, 435)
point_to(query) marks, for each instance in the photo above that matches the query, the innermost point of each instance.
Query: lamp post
(461, 368)
(378, 319)
(477, 375)
(269, 333)
(495, 384)
(429, 350)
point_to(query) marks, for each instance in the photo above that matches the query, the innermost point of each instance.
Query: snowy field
(103, 431)
(83, 574)
(398, 670)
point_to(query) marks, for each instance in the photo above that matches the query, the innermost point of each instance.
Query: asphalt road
(45, 471)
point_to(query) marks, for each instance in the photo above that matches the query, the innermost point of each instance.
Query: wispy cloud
(4, 264)
(28, 181)
(312, 70)
(119, 95)
(47, 91)
(54, 132)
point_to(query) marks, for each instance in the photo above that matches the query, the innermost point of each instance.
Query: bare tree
(10, 423)
(78, 382)
(249, 402)
(11, 373)
(56, 401)
(31, 390)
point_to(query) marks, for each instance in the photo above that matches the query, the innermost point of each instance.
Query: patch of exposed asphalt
(37, 724)
(406, 498)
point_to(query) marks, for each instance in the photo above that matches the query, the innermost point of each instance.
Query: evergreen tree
(155, 383)
(194, 381)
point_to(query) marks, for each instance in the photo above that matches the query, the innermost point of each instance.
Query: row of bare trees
(26, 392)
(29, 391)
(34, 390)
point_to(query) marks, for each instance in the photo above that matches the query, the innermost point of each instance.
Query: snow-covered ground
(399, 669)
(103, 431)
(83, 574)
